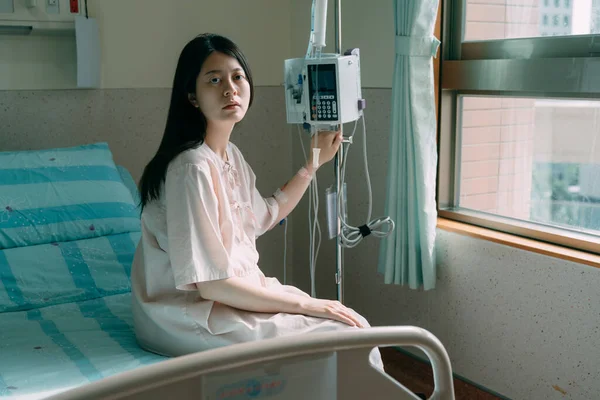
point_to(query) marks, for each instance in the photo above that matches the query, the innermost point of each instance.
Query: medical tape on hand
(303, 173)
(315, 158)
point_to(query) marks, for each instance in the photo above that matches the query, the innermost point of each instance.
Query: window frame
(538, 67)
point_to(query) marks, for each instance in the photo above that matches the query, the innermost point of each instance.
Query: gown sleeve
(265, 209)
(195, 243)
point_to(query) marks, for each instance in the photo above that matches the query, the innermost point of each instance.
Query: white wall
(141, 41)
(368, 25)
(37, 62)
(519, 323)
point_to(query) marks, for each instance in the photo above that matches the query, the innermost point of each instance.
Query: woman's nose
(230, 89)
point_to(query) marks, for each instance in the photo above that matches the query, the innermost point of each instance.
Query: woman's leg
(374, 357)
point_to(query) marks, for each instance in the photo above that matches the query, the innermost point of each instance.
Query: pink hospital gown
(203, 228)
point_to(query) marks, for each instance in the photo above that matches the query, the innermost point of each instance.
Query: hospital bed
(318, 366)
(66, 328)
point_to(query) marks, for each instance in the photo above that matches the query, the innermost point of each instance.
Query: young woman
(195, 280)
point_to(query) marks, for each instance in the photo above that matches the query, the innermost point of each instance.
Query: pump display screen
(322, 78)
(323, 92)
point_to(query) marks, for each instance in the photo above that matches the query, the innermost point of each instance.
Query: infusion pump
(325, 90)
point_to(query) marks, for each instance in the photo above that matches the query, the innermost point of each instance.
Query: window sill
(521, 243)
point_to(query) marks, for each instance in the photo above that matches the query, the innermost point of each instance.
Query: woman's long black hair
(186, 124)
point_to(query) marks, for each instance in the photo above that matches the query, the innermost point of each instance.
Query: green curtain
(407, 257)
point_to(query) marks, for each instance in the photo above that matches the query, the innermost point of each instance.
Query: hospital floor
(417, 376)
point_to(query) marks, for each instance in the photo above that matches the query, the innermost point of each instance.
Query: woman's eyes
(236, 77)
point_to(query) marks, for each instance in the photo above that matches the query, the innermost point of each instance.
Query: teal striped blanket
(65, 315)
(69, 227)
(44, 351)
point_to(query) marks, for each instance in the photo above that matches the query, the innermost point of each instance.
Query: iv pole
(339, 255)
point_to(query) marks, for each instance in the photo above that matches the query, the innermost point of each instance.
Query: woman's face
(222, 89)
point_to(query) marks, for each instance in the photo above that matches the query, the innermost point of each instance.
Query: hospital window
(505, 19)
(519, 143)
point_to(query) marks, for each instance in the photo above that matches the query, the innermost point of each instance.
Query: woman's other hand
(328, 142)
(329, 309)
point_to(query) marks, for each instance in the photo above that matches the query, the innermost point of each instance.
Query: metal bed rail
(325, 365)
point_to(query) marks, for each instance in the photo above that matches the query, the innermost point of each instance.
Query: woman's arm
(328, 142)
(239, 293)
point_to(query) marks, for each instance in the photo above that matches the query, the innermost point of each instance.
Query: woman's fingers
(353, 316)
(355, 320)
(334, 136)
(345, 319)
(333, 310)
(337, 312)
(333, 140)
(349, 315)
(329, 137)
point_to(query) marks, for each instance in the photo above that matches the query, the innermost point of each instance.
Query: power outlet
(52, 7)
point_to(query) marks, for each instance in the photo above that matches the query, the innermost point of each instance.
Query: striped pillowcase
(130, 184)
(63, 194)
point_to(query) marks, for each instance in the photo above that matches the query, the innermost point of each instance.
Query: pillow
(56, 273)
(130, 183)
(62, 194)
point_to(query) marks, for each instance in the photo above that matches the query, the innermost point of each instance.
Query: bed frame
(327, 365)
